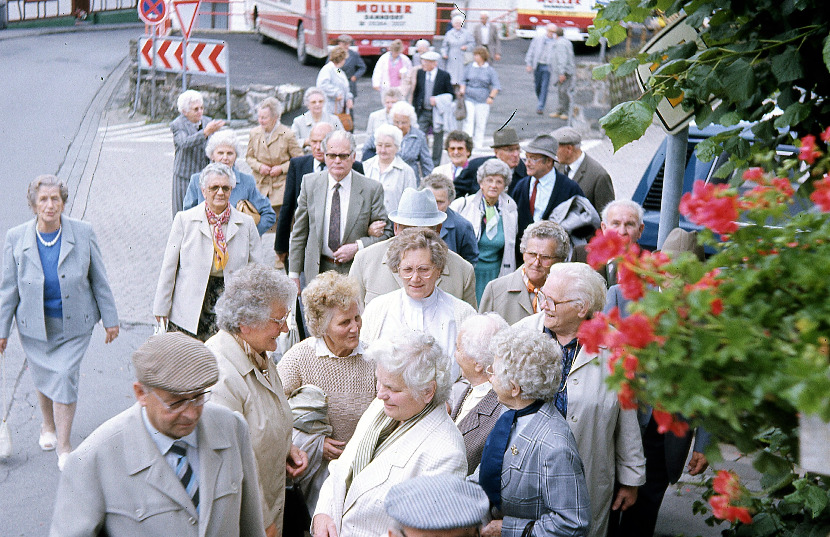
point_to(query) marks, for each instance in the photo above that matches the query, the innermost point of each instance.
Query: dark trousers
(425, 124)
(641, 518)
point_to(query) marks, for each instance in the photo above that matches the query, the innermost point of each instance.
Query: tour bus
(573, 16)
(312, 26)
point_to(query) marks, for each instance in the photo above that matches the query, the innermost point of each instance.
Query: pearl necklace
(50, 243)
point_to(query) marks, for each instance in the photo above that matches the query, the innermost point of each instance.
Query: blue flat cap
(439, 502)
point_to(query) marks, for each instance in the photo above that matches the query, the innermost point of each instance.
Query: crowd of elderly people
(431, 348)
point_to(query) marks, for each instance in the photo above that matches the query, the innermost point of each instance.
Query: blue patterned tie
(185, 472)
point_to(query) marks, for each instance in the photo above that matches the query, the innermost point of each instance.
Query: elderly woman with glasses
(222, 147)
(494, 216)
(314, 100)
(417, 256)
(516, 295)
(251, 314)
(387, 168)
(414, 149)
(333, 360)
(607, 437)
(206, 244)
(406, 432)
(530, 468)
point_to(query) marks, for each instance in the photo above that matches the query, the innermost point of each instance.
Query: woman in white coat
(406, 432)
(607, 437)
(206, 243)
(495, 219)
(387, 168)
(335, 84)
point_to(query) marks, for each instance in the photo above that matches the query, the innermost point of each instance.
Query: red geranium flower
(628, 400)
(636, 331)
(809, 152)
(825, 136)
(754, 174)
(726, 483)
(716, 307)
(709, 206)
(783, 184)
(630, 284)
(821, 195)
(723, 510)
(604, 247)
(592, 333)
(666, 423)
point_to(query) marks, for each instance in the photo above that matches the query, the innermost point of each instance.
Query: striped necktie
(185, 473)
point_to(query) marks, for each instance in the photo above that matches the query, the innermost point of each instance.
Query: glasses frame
(181, 405)
(216, 188)
(545, 300)
(417, 270)
(340, 156)
(280, 322)
(544, 260)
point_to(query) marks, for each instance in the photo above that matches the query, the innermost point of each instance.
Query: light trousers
(476, 121)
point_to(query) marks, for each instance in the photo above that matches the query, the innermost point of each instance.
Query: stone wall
(169, 85)
(590, 100)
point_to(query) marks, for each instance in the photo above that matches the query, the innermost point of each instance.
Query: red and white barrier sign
(208, 58)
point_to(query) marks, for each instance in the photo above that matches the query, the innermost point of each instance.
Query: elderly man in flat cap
(506, 148)
(168, 465)
(585, 171)
(437, 506)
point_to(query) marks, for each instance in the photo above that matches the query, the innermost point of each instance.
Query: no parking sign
(152, 11)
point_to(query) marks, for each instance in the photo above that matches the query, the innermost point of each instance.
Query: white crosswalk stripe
(141, 132)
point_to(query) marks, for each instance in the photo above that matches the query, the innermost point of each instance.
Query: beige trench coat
(281, 149)
(244, 389)
(607, 437)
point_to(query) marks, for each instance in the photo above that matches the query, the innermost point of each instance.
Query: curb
(12, 33)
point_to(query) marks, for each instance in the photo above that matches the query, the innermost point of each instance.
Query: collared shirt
(543, 193)
(318, 166)
(322, 350)
(473, 398)
(345, 194)
(574, 166)
(164, 443)
(485, 34)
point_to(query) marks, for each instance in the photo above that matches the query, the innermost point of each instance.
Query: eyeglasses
(424, 271)
(545, 260)
(182, 404)
(280, 322)
(543, 299)
(216, 188)
(489, 370)
(341, 156)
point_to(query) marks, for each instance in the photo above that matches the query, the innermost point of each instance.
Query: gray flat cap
(431, 56)
(544, 144)
(567, 136)
(437, 502)
(417, 208)
(176, 363)
(504, 137)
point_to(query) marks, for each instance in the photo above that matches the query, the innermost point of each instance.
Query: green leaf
(825, 52)
(627, 68)
(787, 66)
(766, 462)
(708, 149)
(793, 115)
(601, 71)
(616, 34)
(739, 79)
(672, 67)
(616, 10)
(627, 122)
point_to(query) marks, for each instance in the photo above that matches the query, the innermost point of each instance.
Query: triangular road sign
(186, 13)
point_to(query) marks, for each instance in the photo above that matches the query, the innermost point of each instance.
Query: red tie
(533, 197)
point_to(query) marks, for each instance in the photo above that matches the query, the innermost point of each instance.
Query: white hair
(405, 109)
(389, 131)
(583, 283)
(476, 334)
(223, 137)
(529, 358)
(632, 206)
(187, 98)
(214, 169)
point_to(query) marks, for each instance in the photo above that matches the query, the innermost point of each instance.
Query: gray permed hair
(547, 230)
(326, 293)
(249, 294)
(531, 359)
(494, 166)
(419, 360)
(273, 104)
(417, 238)
(584, 284)
(213, 169)
(476, 334)
(439, 181)
(46, 181)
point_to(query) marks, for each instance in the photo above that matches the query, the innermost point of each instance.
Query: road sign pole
(672, 184)
(153, 75)
(184, 63)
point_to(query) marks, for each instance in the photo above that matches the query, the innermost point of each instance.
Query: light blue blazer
(86, 294)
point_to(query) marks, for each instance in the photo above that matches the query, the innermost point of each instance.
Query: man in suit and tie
(168, 465)
(544, 188)
(299, 167)
(474, 405)
(585, 171)
(486, 34)
(431, 82)
(623, 217)
(506, 149)
(190, 133)
(333, 214)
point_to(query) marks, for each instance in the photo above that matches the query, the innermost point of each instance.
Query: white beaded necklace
(49, 243)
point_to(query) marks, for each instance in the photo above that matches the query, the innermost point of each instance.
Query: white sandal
(48, 440)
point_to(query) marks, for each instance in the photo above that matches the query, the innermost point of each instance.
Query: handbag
(460, 108)
(347, 121)
(246, 207)
(5, 432)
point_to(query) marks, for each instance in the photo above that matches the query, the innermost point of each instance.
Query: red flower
(726, 483)
(708, 281)
(668, 423)
(630, 284)
(809, 151)
(716, 307)
(723, 510)
(709, 206)
(592, 333)
(636, 331)
(628, 400)
(630, 364)
(604, 247)
(825, 136)
(754, 174)
(821, 195)
(783, 184)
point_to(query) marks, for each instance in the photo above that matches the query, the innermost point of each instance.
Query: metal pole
(153, 76)
(137, 78)
(672, 184)
(228, 84)
(184, 62)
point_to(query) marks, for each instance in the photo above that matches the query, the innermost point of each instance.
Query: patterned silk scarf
(220, 247)
(533, 290)
(382, 434)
